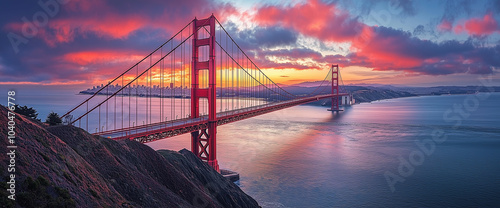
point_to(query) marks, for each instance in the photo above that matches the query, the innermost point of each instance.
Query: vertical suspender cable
(87, 116)
(129, 103)
(107, 94)
(122, 104)
(114, 113)
(150, 88)
(99, 126)
(136, 97)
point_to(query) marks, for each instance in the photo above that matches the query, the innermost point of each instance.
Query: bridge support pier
(203, 143)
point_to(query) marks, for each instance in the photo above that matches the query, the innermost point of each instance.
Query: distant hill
(360, 93)
(373, 92)
(64, 166)
(450, 90)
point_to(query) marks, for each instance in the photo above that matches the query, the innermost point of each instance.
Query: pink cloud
(110, 25)
(110, 21)
(479, 26)
(314, 18)
(458, 29)
(380, 48)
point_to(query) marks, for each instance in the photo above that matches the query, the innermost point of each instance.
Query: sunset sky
(411, 43)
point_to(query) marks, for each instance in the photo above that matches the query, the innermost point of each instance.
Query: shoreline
(427, 95)
(316, 103)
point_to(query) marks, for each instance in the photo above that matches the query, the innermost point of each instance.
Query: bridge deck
(156, 131)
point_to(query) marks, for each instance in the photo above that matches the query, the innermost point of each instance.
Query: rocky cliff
(64, 166)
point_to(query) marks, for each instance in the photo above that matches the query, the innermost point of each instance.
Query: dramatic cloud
(117, 20)
(314, 18)
(274, 36)
(89, 39)
(480, 26)
(395, 50)
(297, 58)
(381, 48)
(261, 37)
(296, 53)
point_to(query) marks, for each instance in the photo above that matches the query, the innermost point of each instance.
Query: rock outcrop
(64, 166)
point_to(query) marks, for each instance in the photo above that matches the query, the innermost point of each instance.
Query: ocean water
(305, 156)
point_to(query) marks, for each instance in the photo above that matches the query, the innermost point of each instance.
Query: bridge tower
(335, 89)
(203, 142)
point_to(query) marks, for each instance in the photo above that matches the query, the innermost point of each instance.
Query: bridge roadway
(160, 130)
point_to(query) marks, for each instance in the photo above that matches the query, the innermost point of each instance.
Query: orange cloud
(94, 57)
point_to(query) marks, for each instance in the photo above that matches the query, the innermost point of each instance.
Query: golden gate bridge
(197, 80)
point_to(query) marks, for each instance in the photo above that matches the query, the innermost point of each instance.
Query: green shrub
(25, 111)
(53, 119)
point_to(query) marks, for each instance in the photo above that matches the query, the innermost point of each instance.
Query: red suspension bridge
(197, 80)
